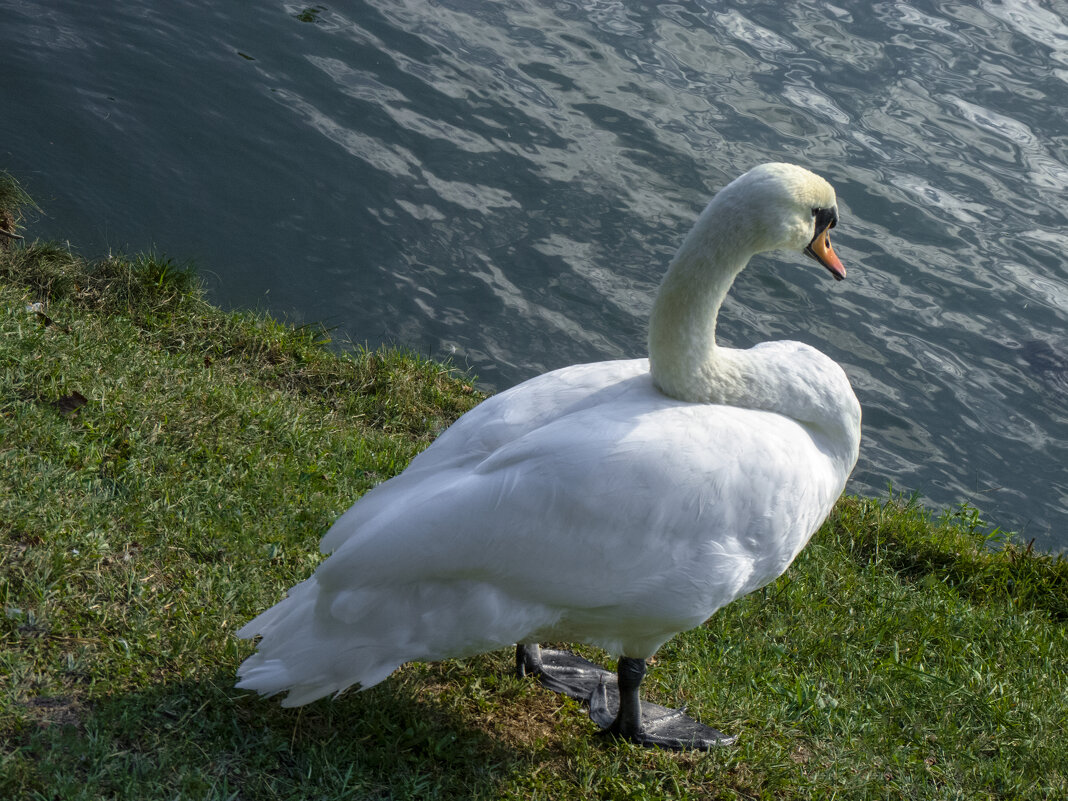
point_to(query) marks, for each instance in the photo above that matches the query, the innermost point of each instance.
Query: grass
(168, 470)
(13, 199)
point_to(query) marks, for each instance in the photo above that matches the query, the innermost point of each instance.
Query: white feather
(586, 504)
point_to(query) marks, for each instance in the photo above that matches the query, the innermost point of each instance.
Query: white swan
(614, 503)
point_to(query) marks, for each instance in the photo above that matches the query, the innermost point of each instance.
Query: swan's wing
(493, 424)
(621, 505)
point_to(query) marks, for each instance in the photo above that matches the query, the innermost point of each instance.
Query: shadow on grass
(204, 739)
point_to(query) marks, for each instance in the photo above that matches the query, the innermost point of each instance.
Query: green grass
(168, 469)
(13, 199)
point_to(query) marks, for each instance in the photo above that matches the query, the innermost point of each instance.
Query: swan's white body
(586, 504)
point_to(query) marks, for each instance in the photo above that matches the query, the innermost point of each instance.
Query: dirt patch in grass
(55, 710)
(531, 719)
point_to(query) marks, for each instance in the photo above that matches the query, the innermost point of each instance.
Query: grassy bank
(168, 469)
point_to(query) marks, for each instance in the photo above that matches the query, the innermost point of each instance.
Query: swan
(615, 503)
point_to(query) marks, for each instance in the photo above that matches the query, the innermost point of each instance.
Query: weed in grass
(13, 200)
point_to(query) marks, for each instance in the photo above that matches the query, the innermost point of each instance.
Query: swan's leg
(628, 721)
(646, 723)
(560, 671)
(527, 659)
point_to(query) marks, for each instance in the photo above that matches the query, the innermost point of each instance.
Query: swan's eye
(825, 218)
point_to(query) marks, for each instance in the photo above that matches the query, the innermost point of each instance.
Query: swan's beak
(820, 249)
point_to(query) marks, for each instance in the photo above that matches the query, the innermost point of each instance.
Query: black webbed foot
(659, 727)
(561, 671)
(618, 713)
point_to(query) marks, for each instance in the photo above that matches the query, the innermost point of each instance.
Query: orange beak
(820, 249)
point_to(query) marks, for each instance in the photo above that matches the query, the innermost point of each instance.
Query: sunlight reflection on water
(506, 182)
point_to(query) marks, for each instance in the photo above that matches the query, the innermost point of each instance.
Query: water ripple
(505, 183)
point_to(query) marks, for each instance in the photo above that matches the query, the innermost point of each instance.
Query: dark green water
(505, 183)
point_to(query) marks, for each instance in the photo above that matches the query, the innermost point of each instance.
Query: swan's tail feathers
(308, 655)
(320, 641)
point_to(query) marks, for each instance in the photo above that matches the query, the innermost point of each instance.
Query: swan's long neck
(684, 359)
(747, 217)
(686, 363)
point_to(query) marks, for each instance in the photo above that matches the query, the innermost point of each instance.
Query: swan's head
(786, 207)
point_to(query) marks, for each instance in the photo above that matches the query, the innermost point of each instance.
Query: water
(504, 183)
